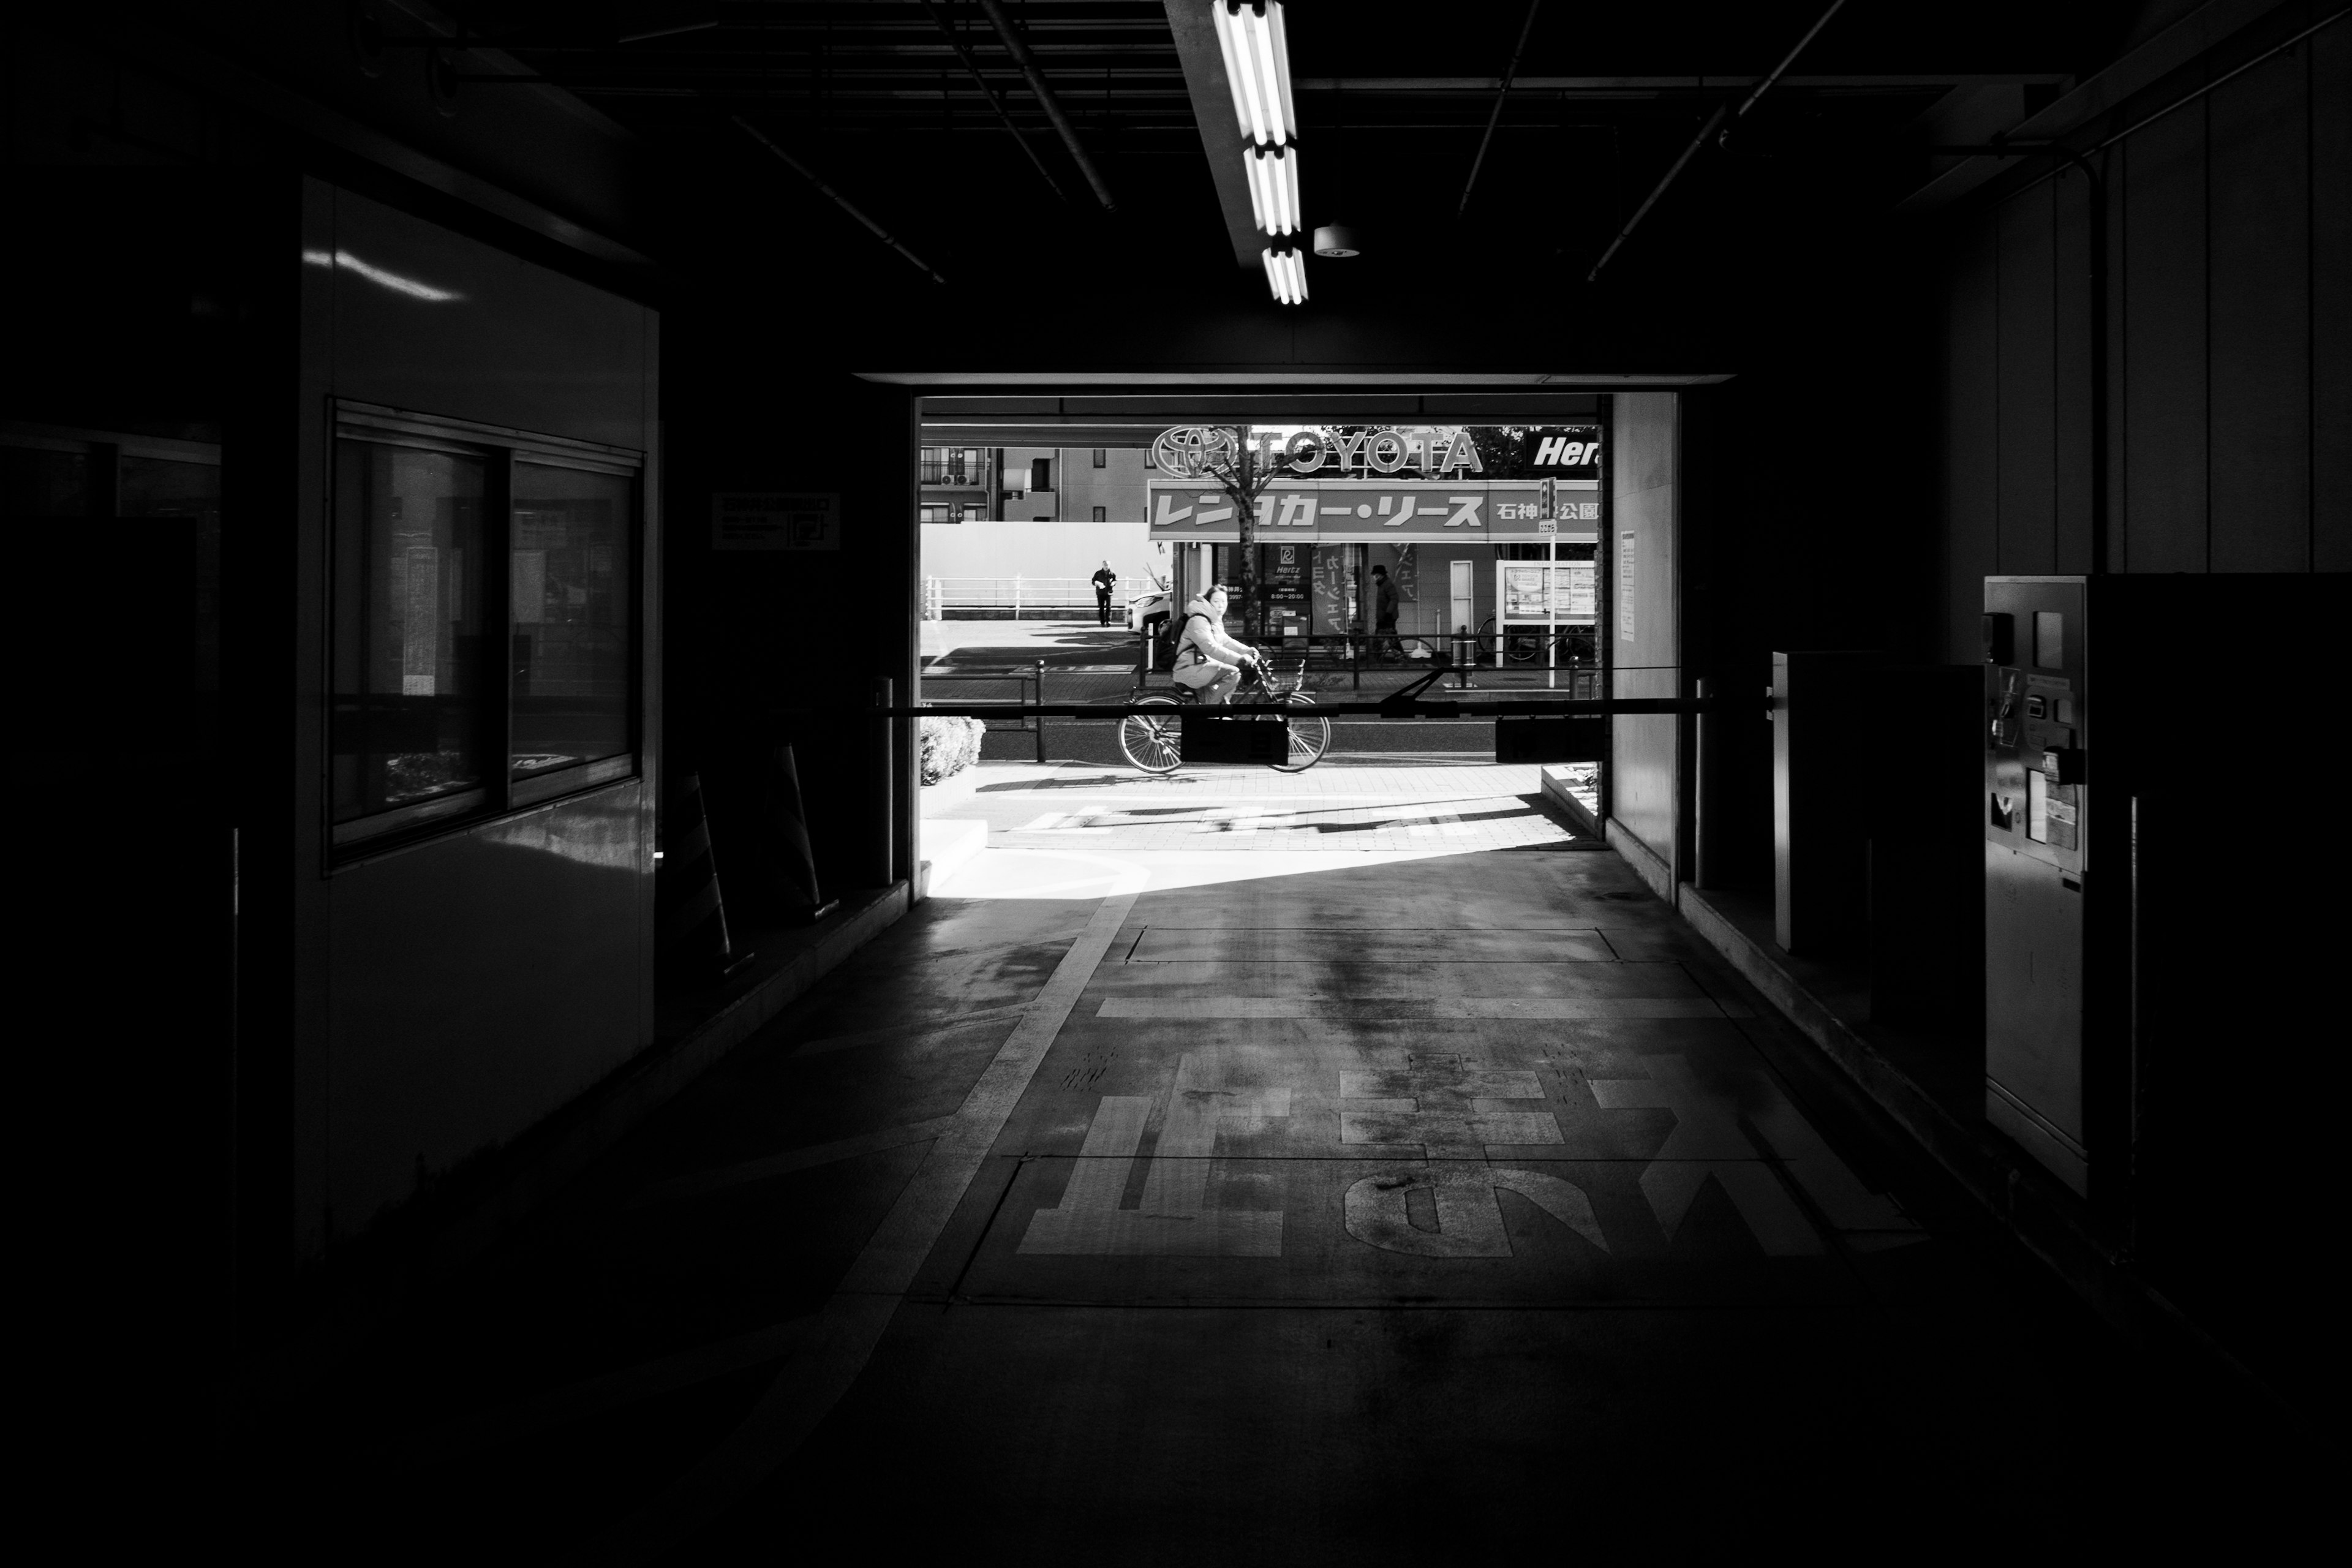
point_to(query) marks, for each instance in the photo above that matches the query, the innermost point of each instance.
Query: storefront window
(572, 588)
(405, 731)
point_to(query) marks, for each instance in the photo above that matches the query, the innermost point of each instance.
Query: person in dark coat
(1105, 581)
(1384, 615)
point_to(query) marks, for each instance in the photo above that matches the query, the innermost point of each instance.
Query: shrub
(949, 745)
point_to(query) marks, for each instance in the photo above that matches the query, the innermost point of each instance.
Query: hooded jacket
(1204, 633)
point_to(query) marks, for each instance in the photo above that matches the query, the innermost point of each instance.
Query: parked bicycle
(1156, 744)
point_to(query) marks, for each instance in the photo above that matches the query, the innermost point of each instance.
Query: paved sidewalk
(1316, 820)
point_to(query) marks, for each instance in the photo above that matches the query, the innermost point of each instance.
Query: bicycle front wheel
(1152, 742)
(1310, 735)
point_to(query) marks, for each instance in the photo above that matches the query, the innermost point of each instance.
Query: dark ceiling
(901, 108)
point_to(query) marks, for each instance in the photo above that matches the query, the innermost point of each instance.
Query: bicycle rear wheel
(1310, 735)
(1152, 742)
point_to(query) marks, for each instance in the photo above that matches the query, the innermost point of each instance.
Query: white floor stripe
(852, 1322)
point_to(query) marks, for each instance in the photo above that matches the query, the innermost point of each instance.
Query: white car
(1147, 607)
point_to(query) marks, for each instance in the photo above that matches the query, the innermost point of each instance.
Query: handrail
(1532, 709)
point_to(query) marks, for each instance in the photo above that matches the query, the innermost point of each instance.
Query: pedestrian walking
(1105, 581)
(1384, 615)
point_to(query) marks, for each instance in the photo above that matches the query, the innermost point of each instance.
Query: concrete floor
(1433, 1204)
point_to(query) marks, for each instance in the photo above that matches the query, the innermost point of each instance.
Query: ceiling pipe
(971, 65)
(839, 200)
(1501, 92)
(1045, 99)
(1722, 111)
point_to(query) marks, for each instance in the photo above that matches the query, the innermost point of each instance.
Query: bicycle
(1525, 645)
(1156, 746)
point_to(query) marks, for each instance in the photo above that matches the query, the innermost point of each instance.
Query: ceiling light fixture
(1257, 68)
(1286, 274)
(1274, 188)
(1257, 65)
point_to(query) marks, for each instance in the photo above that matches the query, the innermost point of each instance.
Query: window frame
(500, 795)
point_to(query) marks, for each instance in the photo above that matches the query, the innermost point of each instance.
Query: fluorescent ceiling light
(1285, 275)
(1274, 188)
(1257, 65)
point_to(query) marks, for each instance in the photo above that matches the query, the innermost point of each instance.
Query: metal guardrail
(1017, 594)
(1031, 714)
(1473, 656)
(1408, 708)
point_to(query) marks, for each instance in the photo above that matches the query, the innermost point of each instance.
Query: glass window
(572, 592)
(164, 486)
(409, 661)
(36, 483)
(1102, 457)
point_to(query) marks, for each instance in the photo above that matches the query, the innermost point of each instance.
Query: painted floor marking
(1706, 1141)
(1469, 1217)
(852, 1320)
(1451, 1109)
(1174, 1218)
(1443, 1107)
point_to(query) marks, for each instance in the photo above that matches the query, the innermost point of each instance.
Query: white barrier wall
(1042, 550)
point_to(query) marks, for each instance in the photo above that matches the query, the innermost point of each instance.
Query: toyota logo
(1189, 451)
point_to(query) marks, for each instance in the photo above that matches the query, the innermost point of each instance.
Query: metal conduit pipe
(971, 65)
(1502, 92)
(839, 200)
(1045, 99)
(1722, 112)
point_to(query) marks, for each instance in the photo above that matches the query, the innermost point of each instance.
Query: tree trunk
(1252, 612)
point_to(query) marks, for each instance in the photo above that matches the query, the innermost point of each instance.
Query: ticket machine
(2160, 761)
(2036, 633)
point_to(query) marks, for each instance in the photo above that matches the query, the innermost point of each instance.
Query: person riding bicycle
(1208, 662)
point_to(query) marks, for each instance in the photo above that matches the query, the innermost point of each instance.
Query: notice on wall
(767, 520)
(1626, 579)
(1574, 582)
(1571, 591)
